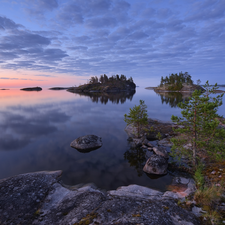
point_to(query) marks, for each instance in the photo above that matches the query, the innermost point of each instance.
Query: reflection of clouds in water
(19, 126)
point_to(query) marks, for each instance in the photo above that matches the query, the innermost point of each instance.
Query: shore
(41, 198)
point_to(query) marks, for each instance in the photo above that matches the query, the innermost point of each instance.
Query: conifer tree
(137, 116)
(199, 127)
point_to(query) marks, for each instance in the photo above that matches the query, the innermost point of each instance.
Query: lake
(38, 127)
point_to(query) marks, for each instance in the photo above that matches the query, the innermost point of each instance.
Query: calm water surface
(38, 127)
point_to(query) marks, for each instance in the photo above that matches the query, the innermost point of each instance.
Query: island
(181, 82)
(107, 84)
(31, 89)
(58, 88)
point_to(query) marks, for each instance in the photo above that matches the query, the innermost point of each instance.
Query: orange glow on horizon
(18, 97)
(14, 79)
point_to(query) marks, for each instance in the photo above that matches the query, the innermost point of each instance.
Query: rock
(152, 136)
(156, 164)
(40, 198)
(131, 130)
(161, 151)
(137, 142)
(182, 188)
(165, 142)
(137, 191)
(144, 146)
(197, 211)
(149, 145)
(87, 143)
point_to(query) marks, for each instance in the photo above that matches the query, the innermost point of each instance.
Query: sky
(65, 42)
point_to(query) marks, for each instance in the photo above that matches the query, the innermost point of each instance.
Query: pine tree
(137, 116)
(199, 128)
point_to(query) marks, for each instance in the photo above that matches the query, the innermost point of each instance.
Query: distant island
(58, 88)
(31, 89)
(114, 83)
(181, 82)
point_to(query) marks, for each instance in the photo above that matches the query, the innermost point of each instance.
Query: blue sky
(42, 40)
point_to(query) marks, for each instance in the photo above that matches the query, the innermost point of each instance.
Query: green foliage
(175, 81)
(175, 87)
(159, 136)
(104, 79)
(137, 116)
(199, 127)
(199, 177)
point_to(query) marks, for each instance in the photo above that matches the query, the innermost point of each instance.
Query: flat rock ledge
(40, 198)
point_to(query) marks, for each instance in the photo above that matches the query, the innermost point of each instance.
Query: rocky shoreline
(41, 198)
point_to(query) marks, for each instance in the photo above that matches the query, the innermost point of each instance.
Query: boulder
(156, 164)
(87, 143)
(161, 151)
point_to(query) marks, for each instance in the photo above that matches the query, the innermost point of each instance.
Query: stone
(183, 187)
(58, 205)
(149, 145)
(197, 211)
(156, 164)
(161, 151)
(144, 146)
(137, 191)
(165, 142)
(87, 143)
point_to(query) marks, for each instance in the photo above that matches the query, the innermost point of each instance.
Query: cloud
(39, 7)
(16, 78)
(206, 10)
(6, 23)
(44, 75)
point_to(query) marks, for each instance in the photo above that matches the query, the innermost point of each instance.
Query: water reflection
(173, 98)
(136, 158)
(22, 125)
(104, 97)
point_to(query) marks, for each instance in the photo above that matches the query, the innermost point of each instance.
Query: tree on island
(175, 81)
(199, 129)
(114, 78)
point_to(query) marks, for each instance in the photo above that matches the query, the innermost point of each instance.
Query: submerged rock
(87, 143)
(156, 164)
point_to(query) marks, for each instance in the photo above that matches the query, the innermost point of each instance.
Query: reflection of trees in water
(116, 98)
(173, 98)
(136, 158)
